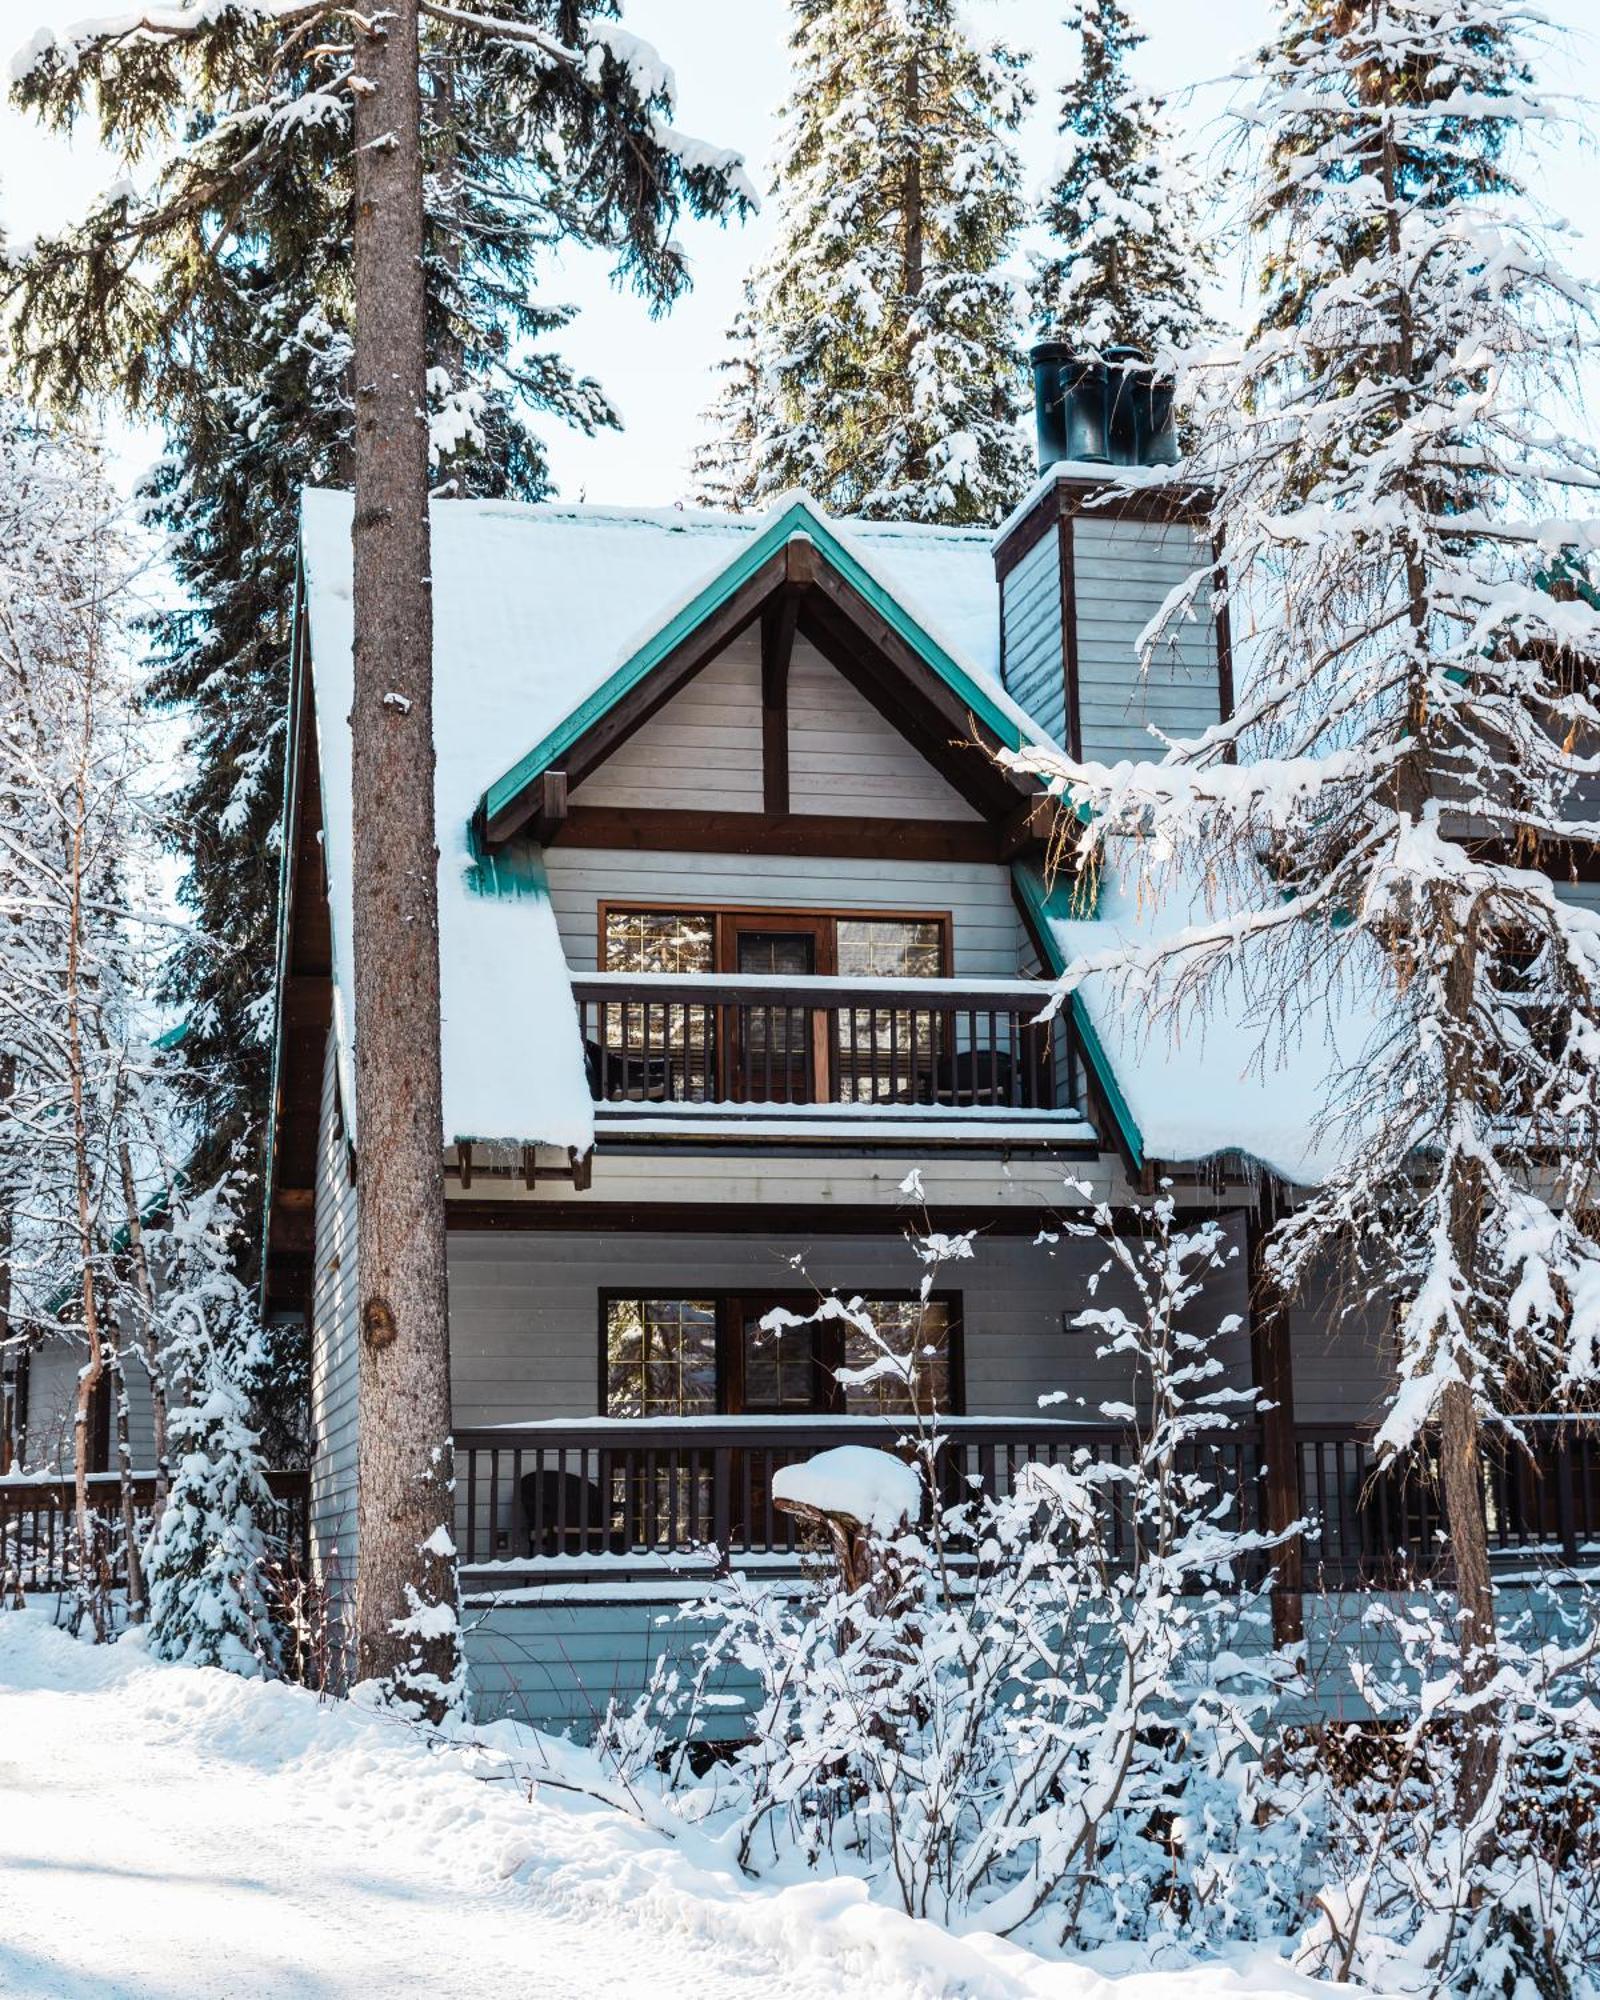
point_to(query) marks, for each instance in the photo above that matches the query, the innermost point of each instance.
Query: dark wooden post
(1274, 1374)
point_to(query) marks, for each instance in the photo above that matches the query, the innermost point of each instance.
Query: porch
(548, 1502)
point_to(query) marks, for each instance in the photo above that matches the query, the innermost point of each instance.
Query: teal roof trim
(1047, 907)
(509, 872)
(797, 522)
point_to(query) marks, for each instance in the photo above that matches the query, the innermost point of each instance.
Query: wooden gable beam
(778, 622)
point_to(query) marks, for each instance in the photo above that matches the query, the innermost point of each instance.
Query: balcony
(684, 1045)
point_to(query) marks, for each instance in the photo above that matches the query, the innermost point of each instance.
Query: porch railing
(1372, 1524)
(663, 1487)
(618, 1490)
(682, 1038)
(37, 1523)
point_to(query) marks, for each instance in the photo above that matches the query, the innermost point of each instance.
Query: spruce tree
(1126, 267)
(208, 1550)
(882, 373)
(1389, 810)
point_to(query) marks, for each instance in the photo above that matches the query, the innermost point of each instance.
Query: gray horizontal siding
(703, 749)
(557, 1666)
(1032, 669)
(1343, 1355)
(525, 1326)
(333, 1355)
(53, 1369)
(976, 894)
(844, 757)
(1123, 571)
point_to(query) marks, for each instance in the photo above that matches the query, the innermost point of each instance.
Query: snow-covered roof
(534, 607)
(1237, 1079)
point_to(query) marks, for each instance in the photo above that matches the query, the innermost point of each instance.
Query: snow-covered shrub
(1043, 1708)
(1506, 1904)
(205, 1557)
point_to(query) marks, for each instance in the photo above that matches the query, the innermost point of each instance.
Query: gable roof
(866, 560)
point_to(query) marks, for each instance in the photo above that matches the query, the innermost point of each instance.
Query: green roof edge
(797, 521)
(1046, 905)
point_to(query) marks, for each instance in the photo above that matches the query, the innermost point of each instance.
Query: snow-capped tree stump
(858, 1498)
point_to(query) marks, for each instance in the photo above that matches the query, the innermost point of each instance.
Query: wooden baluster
(472, 1506)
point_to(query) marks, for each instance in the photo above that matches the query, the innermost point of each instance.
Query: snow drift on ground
(171, 1833)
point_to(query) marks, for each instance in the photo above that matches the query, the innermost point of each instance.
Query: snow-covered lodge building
(744, 935)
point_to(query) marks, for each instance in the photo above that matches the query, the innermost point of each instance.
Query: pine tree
(1127, 267)
(207, 1552)
(1418, 746)
(885, 373)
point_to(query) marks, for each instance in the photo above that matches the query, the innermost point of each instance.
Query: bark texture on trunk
(404, 1463)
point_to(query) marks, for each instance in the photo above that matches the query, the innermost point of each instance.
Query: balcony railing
(666, 1487)
(691, 1038)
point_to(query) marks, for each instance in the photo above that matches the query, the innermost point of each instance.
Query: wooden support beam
(1274, 1373)
(778, 622)
(864, 836)
(464, 1163)
(582, 1167)
(551, 806)
(1029, 826)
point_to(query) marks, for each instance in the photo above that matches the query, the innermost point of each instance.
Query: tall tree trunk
(10, 1418)
(92, 1580)
(133, 1557)
(405, 1470)
(1460, 1446)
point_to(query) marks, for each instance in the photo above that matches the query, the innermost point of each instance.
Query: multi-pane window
(661, 1357)
(888, 1054)
(658, 941)
(905, 1328)
(890, 947)
(656, 1050)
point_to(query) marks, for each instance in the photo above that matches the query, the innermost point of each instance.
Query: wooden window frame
(727, 919)
(732, 1308)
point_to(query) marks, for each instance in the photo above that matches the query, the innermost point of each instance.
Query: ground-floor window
(685, 1357)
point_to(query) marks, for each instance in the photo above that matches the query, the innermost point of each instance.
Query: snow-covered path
(170, 1834)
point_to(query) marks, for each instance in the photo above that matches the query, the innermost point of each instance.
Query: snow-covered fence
(36, 1522)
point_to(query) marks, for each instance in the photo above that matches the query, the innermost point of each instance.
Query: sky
(731, 61)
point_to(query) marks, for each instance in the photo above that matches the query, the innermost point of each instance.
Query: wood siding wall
(52, 1396)
(977, 894)
(525, 1329)
(1034, 672)
(333, 1355)
(702, 750)
(1124, 571)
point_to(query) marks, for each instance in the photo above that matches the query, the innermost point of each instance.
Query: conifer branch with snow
(1127, 261)
(875, 363)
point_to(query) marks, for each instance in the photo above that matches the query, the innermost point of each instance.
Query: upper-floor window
(797, 943)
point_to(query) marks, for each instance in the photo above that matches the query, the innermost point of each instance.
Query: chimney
(1105, 410)
(1090, 556)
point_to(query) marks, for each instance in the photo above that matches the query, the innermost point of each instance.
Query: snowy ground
(167, 1834)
